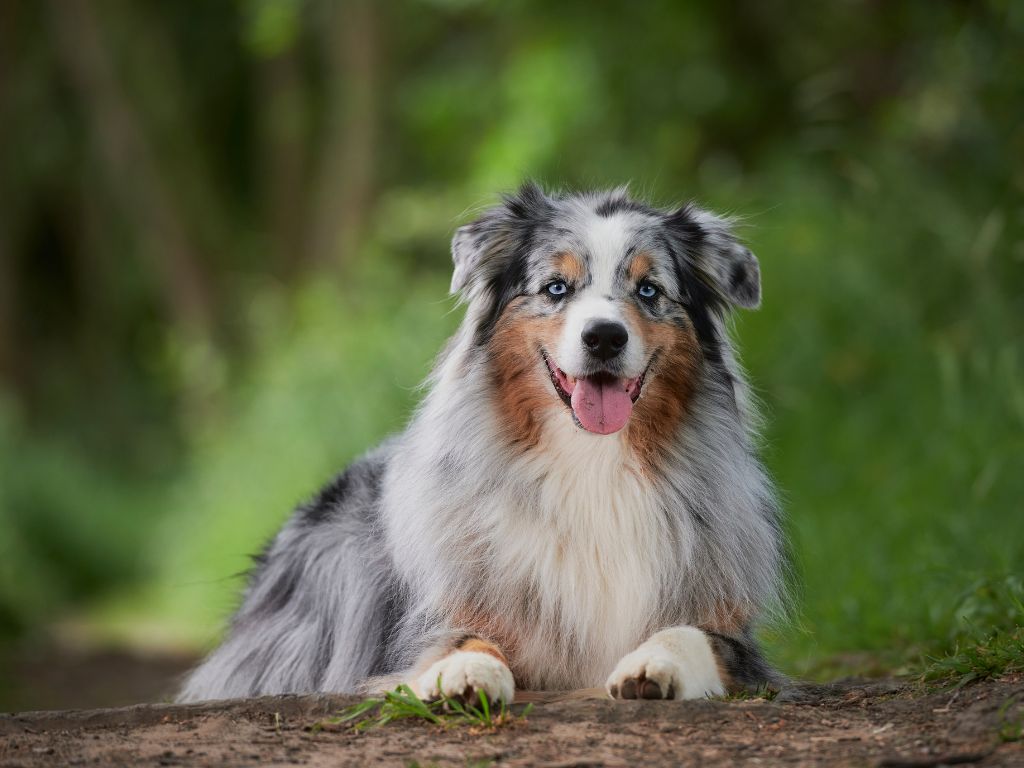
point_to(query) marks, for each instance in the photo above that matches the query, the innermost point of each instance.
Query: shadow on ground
(52, 677)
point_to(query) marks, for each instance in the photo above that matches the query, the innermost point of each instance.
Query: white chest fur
(568, 547)
(589, 543)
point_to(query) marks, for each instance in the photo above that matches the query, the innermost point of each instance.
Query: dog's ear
(718, 258)
(482, 249)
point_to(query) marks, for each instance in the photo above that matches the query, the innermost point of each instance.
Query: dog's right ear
(718, 257)
(481, 250)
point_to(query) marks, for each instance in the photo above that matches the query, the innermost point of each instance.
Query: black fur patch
(506, 286)
(364, 475)
(743, 663)
(699, 308)
(518, 220)
(744, 280)
(529, 203)
(330, 497)
(737, 277)
(683, 239)
(613, 205)
(686, 229)
(282, 590)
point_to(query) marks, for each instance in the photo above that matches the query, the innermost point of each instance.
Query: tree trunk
(134, 176)
(284, 130)
(8, 273)
(8, 310)
(345, 174)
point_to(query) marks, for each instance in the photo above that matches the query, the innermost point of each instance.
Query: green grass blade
(357, 710)
(486, 708)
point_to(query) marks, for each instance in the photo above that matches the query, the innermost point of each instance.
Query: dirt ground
(848, 723)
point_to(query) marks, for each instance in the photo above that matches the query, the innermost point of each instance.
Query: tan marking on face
(667, 389)
(570, 266)
(522, 387)
(640, 267)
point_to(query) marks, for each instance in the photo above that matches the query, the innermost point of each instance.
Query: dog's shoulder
(355, 491)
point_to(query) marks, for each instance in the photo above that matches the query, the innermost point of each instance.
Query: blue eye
(647, 290)
(558, 288)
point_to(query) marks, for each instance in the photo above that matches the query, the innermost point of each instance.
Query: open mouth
(601, 402)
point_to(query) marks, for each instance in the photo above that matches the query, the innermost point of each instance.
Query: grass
(1011, 725)
(989, 640)
(763, 692)
(403, 704)
(992, 656)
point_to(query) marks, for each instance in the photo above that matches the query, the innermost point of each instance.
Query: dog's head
(600, 303)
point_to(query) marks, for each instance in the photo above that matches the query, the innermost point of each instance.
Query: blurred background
(224, 264)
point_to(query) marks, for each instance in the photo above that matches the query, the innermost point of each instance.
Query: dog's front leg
(676, 663)
(466, 666)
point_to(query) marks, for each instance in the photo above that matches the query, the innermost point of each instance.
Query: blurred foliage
(223, 262)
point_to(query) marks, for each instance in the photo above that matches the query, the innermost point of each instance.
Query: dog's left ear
(483, 248)
(717, 256)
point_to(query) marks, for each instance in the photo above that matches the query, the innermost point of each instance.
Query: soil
(883, 723)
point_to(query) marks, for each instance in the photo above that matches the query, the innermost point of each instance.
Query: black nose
(605, 338)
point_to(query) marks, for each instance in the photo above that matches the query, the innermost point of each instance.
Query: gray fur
(320, 604)
(368, 580)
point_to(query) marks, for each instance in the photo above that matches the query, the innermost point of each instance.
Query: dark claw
(641, 688)
(650, 690)
(468, 698)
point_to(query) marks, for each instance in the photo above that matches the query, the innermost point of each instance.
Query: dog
(577, 502)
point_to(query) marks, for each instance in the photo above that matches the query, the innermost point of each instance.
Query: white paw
(464, 674)
(646, 674)
(676, 663)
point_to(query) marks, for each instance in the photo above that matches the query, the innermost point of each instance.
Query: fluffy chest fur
(563, 554)
(594, 551)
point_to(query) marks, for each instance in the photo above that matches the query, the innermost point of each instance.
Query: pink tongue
(602, 404)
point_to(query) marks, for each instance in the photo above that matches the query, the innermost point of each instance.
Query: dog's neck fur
(602, 553)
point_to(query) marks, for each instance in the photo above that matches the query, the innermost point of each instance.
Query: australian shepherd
(577, 502)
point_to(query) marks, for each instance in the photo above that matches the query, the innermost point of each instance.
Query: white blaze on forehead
(606, 239)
